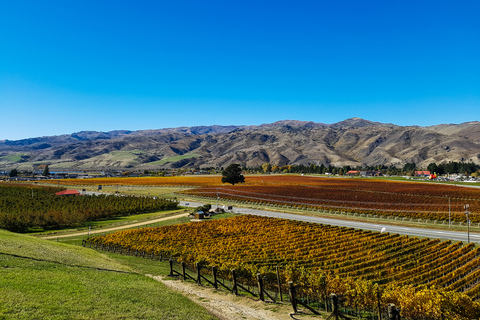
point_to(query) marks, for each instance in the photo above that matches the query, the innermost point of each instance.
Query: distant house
(422, 173)
(70, 192)
(353, 173)
(370, 173)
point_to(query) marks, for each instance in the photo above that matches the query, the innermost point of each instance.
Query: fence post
(393, 313)
(279, 285)
(260, 287)
(214, 273)
(199, 277)
(183, 271)
(234, 281)
(171, 267)
(379, 309)
(335, 311)
(292, 295)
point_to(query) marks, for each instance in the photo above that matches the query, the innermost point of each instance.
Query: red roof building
(353, 172)
(71, 192)
(422, 173)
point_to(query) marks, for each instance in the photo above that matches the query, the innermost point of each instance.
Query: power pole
(468, 222)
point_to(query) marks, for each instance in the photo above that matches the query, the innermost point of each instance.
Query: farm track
(227, 306)
(127, 226)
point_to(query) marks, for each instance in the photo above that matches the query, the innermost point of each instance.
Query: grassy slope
(48, 280)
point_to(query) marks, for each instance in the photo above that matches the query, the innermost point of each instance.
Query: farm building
(70, 192)
(422, 173)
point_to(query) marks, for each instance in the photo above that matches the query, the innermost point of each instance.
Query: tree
(409, 168)
(46, 171)
(13, 173)
(267, 167)
(233, 174)
(432, 167)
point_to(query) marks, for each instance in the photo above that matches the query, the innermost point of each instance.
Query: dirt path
(227, 306)
(137, 224)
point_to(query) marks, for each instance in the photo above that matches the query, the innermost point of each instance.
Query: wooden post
(171, 267)
(234, 280)
(292, 295)
(379, 308)
(393, 313)
(183, 271)
(214, 273)
(260, 287)
(279, 284)
(335, 310)
(199, 277)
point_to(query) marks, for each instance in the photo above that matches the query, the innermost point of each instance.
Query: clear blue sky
(68, 66)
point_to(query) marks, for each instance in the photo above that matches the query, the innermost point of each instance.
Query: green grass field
(173, 159)
(42, 279)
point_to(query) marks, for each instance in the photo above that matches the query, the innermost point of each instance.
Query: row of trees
(451, 167)
(468, 168)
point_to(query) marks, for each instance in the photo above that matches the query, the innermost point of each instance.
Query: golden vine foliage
(323, 259)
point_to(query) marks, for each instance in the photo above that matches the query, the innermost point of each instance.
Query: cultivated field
(324, 259)
(366, 196)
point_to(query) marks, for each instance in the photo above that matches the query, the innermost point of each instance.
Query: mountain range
(354, 142)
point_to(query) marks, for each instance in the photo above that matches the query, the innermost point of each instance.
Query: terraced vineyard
(322, 258)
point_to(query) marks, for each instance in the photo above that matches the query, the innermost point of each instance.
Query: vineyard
(370, 197)
(412, 200)
(323, 259)
(25, 207)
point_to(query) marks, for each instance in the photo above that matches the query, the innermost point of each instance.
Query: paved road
(442, 234)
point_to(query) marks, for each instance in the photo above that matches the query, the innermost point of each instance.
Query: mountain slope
(351, 142)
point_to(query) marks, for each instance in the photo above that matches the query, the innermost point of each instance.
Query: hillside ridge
(354, 142)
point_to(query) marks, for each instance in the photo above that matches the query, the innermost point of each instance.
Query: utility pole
(468, 222)
(449, 214)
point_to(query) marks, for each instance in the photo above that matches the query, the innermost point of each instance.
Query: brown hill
(350, 142)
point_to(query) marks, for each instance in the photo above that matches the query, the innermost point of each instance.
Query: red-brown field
(380, 197)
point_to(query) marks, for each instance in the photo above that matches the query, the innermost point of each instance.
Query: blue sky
(68, 66)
